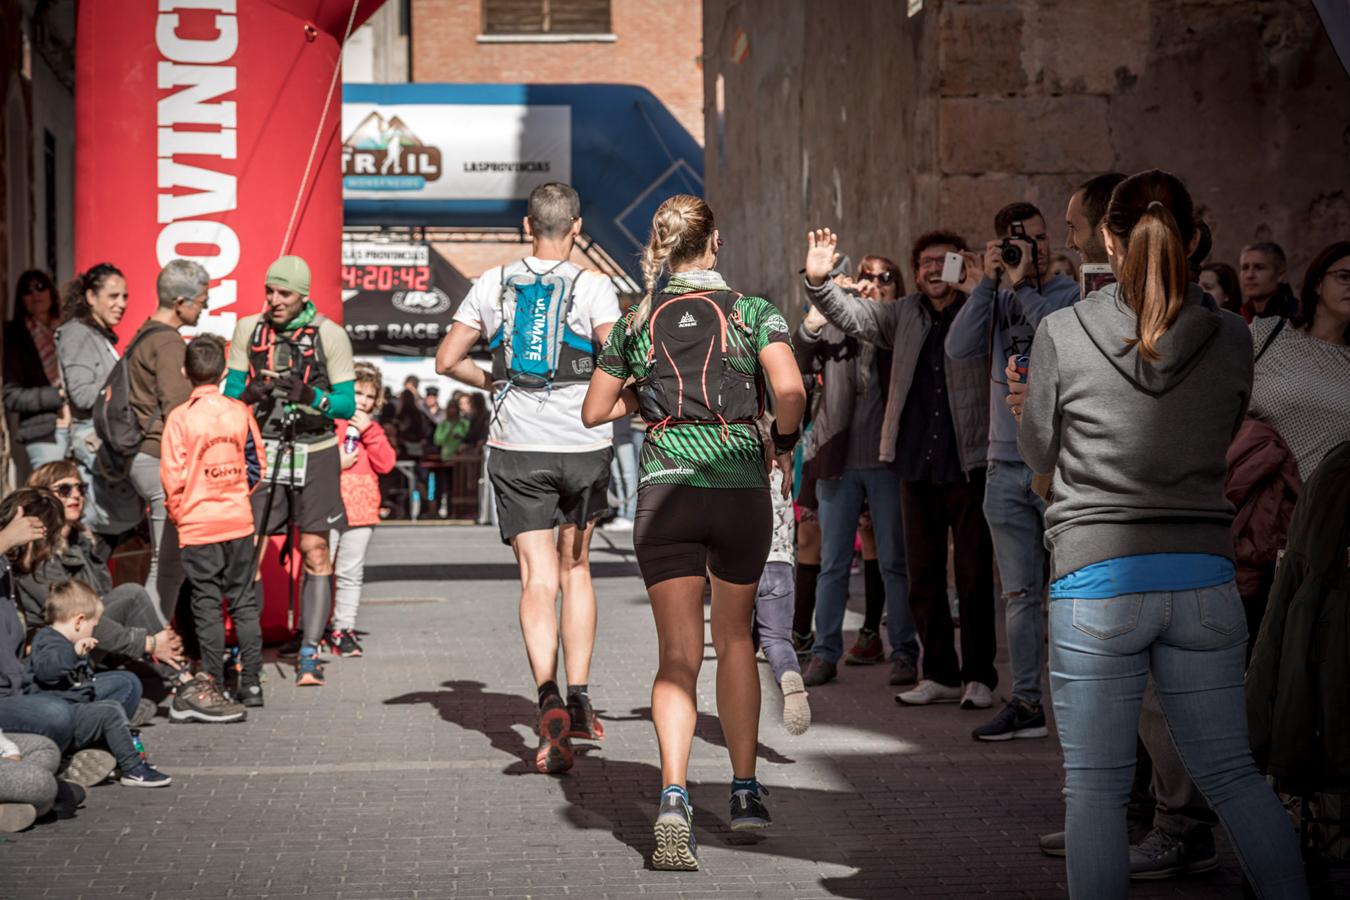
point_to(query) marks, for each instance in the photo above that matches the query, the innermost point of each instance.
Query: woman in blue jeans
(1131, 399)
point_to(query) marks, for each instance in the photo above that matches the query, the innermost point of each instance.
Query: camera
(1010, 249)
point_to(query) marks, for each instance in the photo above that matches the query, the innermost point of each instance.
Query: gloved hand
(255, 391)
(294, 390)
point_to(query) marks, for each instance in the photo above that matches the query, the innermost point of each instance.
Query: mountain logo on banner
(385, 155)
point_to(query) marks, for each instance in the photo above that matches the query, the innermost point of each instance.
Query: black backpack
(689, 373)
(115, 421)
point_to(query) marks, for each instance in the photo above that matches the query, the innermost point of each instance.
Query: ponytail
(681, 229)
(1151, 215)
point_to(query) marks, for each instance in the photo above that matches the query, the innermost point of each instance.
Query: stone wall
(881, 126)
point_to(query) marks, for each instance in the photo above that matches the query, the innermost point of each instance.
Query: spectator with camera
(845, 449)
(1001, 316)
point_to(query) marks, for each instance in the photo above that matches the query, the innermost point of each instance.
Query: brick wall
(856, 117)
(657, 46)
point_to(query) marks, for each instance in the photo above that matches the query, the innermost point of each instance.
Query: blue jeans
(1016, 517)
(1194, 643)
(841, 501)
(121, 687)
(773, 618)
(43, 452)
(623, 471)
(43, 714)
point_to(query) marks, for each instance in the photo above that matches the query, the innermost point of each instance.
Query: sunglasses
(36, 286)
(883, 277)
(66, 491)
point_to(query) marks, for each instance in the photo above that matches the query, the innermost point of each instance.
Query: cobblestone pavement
(410, 775)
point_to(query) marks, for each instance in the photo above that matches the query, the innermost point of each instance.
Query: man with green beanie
(294, 367)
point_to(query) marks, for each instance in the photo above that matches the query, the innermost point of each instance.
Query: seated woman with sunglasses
(130, 628)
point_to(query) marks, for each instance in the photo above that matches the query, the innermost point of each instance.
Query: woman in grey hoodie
(1132, 398)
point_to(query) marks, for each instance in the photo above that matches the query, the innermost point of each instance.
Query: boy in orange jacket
(211, 457)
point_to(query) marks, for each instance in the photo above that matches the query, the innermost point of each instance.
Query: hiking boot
(145, 775)
(1053, 845)
(867, 651)
(904, 672)
(818, 671)
(802, 644)
(200, 700)
(977, 696)
(796, 709)
(927, 692)
(676, 849)
(89, 767)
(145, 713)
(16, 817)
(748, 812)
(251, 693)
(1160, 855)
(309, 672)
(585, 723)
(344, 643)
(555, 747)
(1017, 720)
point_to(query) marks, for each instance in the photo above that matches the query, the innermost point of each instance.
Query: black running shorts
(537, 490)
(318, 505)
(681, 531)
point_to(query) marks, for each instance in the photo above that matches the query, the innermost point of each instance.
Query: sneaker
(585, 723)
(748, 812)
(977, 696)
(251, 694)
(867, 651)
(619, 523)
(818, 672)
(200, 700)
(1161, 855)
(1053, 845)
(344, 643)
(145, 713)
(1017, 720)
(796, 709)
(16, 817)
(802, 643)
(89, 767)
(904, 672)
(676, 849)
(555, 747)
(926, 692)
(309, 672)
(145, 776)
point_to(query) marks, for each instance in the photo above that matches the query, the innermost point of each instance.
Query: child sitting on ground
(60, 664)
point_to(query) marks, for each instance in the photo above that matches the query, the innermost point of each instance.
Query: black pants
(929, 510)
(217, 572)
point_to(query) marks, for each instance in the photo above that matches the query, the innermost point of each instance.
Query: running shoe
(676, 849)
(344, 643)
(555, 747)
(145, 775)
(89, 767)
(585, 723)
(748, 812)
(867, 651)
(309, 673)
(1016, 721)
(200, 700)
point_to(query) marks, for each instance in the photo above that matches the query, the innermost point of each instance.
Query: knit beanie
(291, 273)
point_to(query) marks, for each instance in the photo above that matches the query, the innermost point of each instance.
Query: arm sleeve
(863, 319)
(235, 382)
(969, 334)
(236, 378)
(341, 400)
(378, 449)
(1038, 434)
(807, 348)
(171, 385)
(53, 662)
(613, 359)
(31, 399)
(79, 355)
(173, 465)
(120, 640)
(1036, 306)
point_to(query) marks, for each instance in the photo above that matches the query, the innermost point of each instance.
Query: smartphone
(1094, 277)
(953, 268)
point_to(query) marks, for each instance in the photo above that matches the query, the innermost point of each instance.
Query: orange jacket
(211, 447)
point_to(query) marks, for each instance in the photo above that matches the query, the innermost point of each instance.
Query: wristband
(783, 443)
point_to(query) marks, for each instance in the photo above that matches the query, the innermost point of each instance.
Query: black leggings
(681, 531)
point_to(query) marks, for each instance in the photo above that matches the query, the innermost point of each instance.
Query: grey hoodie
(1138, 449)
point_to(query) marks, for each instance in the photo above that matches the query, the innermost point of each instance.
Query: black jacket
(53, 667)
(27, 390)
(11, 637)
(1298, 683)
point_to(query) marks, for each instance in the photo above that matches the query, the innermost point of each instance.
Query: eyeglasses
(66, 491)
(885, 276)
(1340, 276)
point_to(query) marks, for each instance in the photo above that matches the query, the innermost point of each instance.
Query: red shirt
(361, 481)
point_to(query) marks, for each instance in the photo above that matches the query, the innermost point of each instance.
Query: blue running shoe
(676, 849)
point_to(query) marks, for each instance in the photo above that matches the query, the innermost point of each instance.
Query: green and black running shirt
(694, 453)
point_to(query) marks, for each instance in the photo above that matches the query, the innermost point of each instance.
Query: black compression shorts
(681, 531)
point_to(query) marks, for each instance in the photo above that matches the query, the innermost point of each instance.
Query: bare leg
(538, 559)
(677, 606)
(578, 601)
(737, 676)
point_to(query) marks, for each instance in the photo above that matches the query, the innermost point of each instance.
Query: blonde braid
(677, 220)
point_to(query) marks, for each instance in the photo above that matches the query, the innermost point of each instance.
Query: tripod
(285, 451)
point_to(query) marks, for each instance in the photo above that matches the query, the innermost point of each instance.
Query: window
(546, 17)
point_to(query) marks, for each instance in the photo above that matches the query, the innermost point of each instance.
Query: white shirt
(545, 420)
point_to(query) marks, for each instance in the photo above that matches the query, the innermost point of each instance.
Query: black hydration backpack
(115, 422)
(689, 373)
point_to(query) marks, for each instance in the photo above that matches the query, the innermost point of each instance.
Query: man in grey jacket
(934, 436)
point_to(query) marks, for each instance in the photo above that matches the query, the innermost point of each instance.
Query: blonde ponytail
(681, 229)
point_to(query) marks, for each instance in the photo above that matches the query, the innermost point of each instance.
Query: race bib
(290, 468)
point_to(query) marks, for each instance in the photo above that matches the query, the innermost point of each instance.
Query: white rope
(318, 132)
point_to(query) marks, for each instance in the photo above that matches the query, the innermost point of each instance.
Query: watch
(322, 404)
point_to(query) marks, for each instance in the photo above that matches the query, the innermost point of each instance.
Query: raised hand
(820, 254)
(21, 530)
(83, 646)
